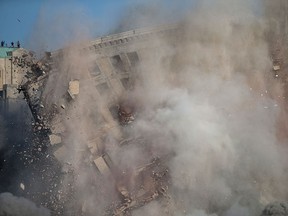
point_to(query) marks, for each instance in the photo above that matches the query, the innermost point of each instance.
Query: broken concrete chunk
(73, 88)
(276, 67)
(102, 166)
(54, 139)
(22, 186)
(62, 106)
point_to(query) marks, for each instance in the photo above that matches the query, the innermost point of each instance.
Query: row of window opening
(117, 63)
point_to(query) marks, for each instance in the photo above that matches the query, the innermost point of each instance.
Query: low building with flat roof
(14, 65)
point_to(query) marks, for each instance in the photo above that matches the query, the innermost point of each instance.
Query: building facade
(81, 96)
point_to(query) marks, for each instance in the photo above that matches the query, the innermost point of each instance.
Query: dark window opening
(126, 83)
(114, 111)
(133, 58)
(117, 63)
(95, 71)
(103, 88)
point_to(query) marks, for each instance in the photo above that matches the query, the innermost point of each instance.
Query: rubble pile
(126, 114)
(151, 183)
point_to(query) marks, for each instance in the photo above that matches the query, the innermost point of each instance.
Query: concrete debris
(102, 166)
(276, 67)
(63, 106)
(54, 139)
(152, 182)
(73, 88)
(22, 186)
(126, 114)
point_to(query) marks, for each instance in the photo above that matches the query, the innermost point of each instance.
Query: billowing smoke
(207, 94)
(213, 101)
(18, 206)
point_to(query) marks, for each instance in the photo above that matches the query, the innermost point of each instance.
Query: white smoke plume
(11, 205)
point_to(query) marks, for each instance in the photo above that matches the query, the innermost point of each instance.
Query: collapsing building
(57, 91)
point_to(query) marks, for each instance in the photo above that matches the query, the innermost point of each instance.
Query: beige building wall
(5, 72)
(2, 73)
(10, 71)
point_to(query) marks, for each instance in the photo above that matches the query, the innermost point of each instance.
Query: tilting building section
(58, 96)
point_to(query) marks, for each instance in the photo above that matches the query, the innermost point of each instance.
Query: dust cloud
(211, 98)
(220, 111)
(208, 95)
(223, 106)
(18, 206)
(214, 102)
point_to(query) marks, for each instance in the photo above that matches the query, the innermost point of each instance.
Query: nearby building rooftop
(4, 51)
